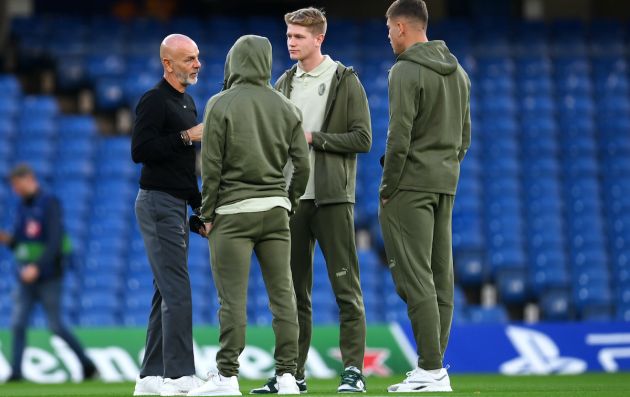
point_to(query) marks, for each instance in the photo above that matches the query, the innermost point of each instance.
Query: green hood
(249, 61)
(434, 55)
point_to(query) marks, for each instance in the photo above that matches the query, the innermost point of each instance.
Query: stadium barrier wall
(513, 349)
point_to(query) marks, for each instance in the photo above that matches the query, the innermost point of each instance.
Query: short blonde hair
(310, 17)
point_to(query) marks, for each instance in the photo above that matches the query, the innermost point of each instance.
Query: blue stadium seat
(623, 313)
(105, 65)
(9, 107)
(39, 106)
(7, 130)
(10, 86)
(512, 286)
(40, 128)
(76, 126)
(109, 93)
(555, 305)
(592, 296)
(98, 320)
(487, 315)
(99, 301)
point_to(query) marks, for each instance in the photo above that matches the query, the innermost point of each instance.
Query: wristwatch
(185, 138)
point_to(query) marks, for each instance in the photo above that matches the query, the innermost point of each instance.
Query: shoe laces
(215, 375)
(420, 371)
(349, 376)
(412, 372)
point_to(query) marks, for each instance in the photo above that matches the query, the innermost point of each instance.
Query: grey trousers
(163, 223)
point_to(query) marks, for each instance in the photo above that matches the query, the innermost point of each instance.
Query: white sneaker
(148, 386)
(287, 384)
(180, 386)
(217, 385)
(420, 380)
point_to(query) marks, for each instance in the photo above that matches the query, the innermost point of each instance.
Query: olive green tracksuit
(429, 134)
(250, 132)
(329, 218)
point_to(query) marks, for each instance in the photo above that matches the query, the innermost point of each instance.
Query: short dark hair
(415, 9)
(20, 171)
(312, 18)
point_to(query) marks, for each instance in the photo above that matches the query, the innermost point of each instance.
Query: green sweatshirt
(345, 132)
(429, 121)
(250, 131)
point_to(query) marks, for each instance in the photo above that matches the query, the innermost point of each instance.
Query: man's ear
(401, 28)
(320, 39)
(167, 64)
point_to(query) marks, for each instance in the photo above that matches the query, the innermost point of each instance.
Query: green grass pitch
(599, 385)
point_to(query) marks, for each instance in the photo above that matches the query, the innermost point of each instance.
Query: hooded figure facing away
(250, 132)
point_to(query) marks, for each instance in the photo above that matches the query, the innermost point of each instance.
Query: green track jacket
(429, 121)
(346, 131)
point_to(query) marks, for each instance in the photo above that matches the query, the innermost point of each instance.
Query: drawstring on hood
(248, 61)
(434, 55)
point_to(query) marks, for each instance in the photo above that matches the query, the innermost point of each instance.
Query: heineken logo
(118, 353)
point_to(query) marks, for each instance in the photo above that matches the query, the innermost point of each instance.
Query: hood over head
(248, 61)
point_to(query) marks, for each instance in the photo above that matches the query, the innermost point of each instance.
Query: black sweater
(168, 164)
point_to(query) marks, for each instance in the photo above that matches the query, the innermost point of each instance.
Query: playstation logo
(539, 355)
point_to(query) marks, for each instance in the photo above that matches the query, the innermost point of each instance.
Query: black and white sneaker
(271, 387)
(352, 381)
(301, 383)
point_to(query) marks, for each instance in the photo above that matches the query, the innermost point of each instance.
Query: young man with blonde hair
(336, 121)
(429, 134)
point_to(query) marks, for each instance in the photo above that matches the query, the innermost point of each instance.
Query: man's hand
(196, 132)
(208, 228)
(309, 137)
(5, 238)
(29, 273)
(197, 226)
(384, 201)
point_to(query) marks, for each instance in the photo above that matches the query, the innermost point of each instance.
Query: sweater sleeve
(403, 107)
(357, 138)
(212, 151)
(54, 235)
(148, 144)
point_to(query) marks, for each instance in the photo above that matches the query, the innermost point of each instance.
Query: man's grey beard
(185, 79)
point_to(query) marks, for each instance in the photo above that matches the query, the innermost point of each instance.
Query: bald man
(163, 135)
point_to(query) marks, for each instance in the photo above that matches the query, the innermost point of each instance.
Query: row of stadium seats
(108, 280)
(542, 206)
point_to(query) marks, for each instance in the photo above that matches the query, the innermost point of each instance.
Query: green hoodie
(429, 121)
(250, 131)
(345, 132)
